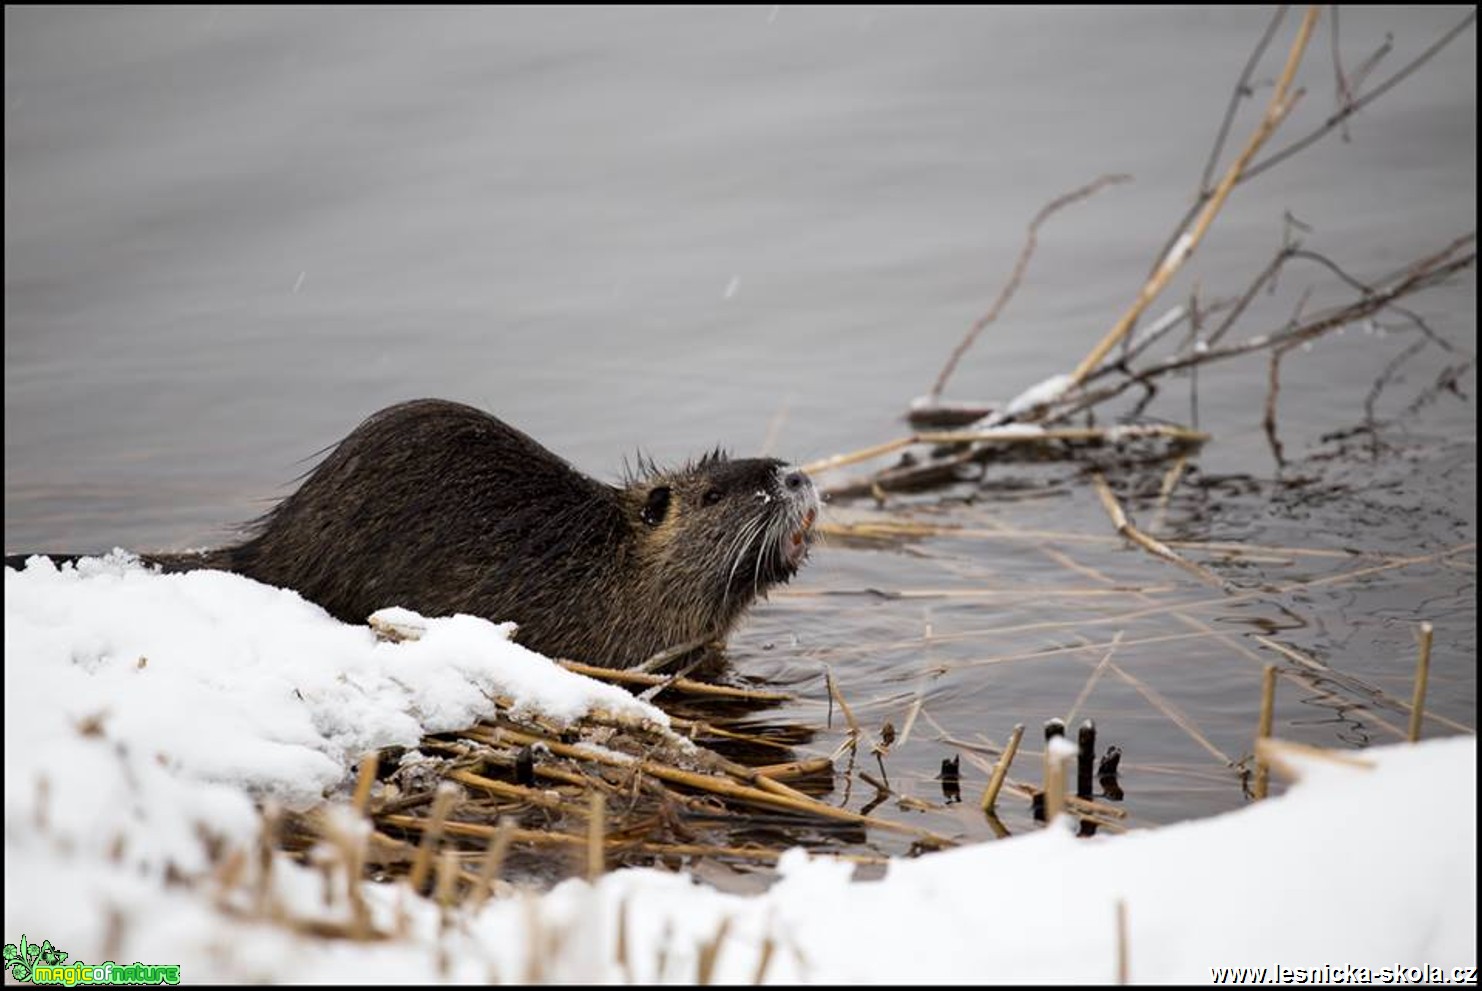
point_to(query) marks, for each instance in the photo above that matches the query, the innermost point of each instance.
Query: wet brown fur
(442, 508)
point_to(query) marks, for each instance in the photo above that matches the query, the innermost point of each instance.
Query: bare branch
(1017, 275)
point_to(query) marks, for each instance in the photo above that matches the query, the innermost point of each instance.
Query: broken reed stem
(1281, 102)
(432, 835)
(1001, 769)
(1153, 546)
(1031, 238)
(1422, 674)
(1263, 729)
(363, 783)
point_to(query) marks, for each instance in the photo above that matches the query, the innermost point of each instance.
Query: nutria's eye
(656, 507)
(712, 497)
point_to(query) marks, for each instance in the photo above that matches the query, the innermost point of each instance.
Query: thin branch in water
(1031, 239)
(1350, 109)
(1241, 91)
(1371, 422)
(1341, 91)
(1367, 290)
(1283, 99)
(1273, 387)
(1422, 274)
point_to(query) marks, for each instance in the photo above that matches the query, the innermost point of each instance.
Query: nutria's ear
(654, 510)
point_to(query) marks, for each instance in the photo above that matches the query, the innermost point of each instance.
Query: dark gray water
(232, 233)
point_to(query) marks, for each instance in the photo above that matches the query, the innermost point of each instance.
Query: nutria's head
(714, 534)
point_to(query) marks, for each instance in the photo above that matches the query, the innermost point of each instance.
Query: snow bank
(119, 772)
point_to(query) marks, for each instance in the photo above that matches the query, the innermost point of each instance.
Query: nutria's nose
(795, 480)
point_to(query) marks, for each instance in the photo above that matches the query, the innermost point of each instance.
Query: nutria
(442, 508)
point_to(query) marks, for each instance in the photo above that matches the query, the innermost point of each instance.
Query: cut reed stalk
(1001, 769)
(1422, 673)
(1263, 729)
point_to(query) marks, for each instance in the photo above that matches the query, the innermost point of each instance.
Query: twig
(1355, 106)
(1280, 105)
(1017, 275)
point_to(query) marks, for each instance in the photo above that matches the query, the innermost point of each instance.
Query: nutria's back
(442, 508)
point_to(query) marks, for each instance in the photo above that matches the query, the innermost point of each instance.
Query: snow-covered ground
(147, 714)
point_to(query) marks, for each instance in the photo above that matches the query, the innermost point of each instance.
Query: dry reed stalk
(1355, 683)
(725, 787)
(596, 831)
(364, 781)
(1149, 544)
(1263, 729)
(1169, 710)
(794, 769)
(523, 793)
(1171, 479)
(1280, 105)
(1031, 238)
(493, 859)
(1422, 673)
(447, 880)
(441, 806)
(883, 530)
(1282, 755)
(911, 715)
(699, 727)
(709, 951)
(995, 437)
(1123, 956)
(1093, 678)
(855, 729)
(1001, 769)
(549, 838)
(994, 594)
(621, 677)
